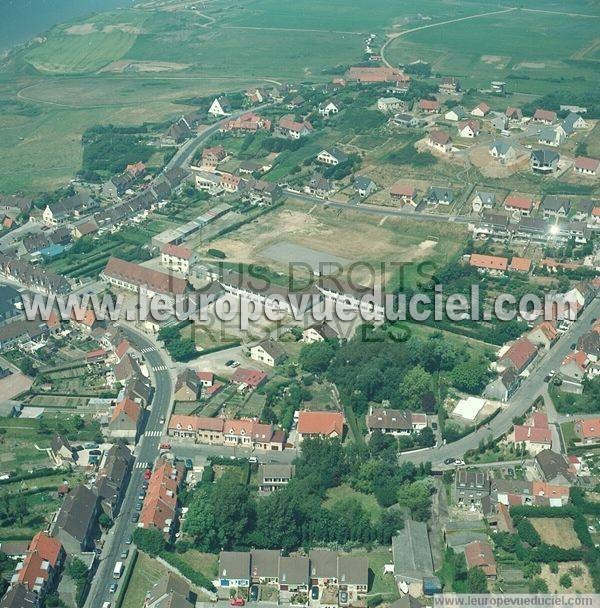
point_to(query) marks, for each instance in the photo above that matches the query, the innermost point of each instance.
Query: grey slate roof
(353, 570)
(293, 571)
(265, 563)
(234, 565)
(545, 157)
(323, 563)
(553, 202)
(411, 551)
(77, 511)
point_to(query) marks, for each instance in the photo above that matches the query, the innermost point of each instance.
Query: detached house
(481, 110)
(320, 424)
(479, 554)
(292, 129)
(456, 113)
(188, 386)
(220, 107)
(522, 204)
(536, 435)
(449, 85)
(586, 166)
(364, 186)
(269, 352)
(545, 117)
(588, 430)
(514, 115)
(429, 106)
(469, 129)
(329, 108)
(319, 332)
(503, 150)
(483, 200)
(332, 156)
(272, 477)
(552, 136)
(555, 206)
(404, 192)
(389, 104)
(441, 141)
(395, 422)
(544, 161)
(439, 196)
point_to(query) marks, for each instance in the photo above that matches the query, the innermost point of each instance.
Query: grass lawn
(343, 492)
(555, 531)
(568, 433)
(146, 573)
(380, 583)
(205, 563)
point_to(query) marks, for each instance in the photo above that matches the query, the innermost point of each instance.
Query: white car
(459, 463)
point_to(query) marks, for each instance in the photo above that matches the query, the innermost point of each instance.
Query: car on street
(162, 420)
(314, 592)
(235, 364)
(458, 462)
(142, 495)
(189, 464)
(135, 517)
(253, 593)
(253, 459)
(147, 474)
(138, 506)
(343, 597)
(95, 453)
(144, 485)
(165, 446)
(113, 588)
(129, 540)
(106, 605)
(547, 378)
(573, 345)
(434, 426)
(237, 601)
(124, 553)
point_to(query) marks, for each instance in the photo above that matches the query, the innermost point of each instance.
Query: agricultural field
(558, 532)
(494, 48)
(327, 233)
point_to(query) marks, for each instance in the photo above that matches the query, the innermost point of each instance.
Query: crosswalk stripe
(160, 368)
(148, 349)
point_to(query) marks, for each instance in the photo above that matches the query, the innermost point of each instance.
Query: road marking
(153, 433)
(148, 349)
(141, 465)
(160, 368)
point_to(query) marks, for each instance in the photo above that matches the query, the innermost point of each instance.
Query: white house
(483, 200)
(220, 107)
(332, 156)
(268, 352)
(481, 110)
(503, 150)
(328, 108)
(455, 114)
(552, 136)
(177, 257)
(389, 104)
(469, 129)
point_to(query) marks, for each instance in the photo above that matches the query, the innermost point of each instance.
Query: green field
(553, 55)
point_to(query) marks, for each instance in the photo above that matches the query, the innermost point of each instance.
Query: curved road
(146, 451)
(521, 401)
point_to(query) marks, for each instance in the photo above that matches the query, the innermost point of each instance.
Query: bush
(565, 581)
(216, 253)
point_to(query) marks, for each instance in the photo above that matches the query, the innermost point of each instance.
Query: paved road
(147, 450)
(383, 211)
(529, 390)
(198, 452)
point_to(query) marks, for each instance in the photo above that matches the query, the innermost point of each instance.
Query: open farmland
(494, 47)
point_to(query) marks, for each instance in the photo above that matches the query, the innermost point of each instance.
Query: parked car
(253, 459)
(124, 553)
(237, 601)
(147, 474)
(229, 363)
(95, 453)
(113, 587)
(314, 593)
(145, 485)
(138, 506)
(91, 446)
(129, 540)
(449, 461)
(343, 597)
(165, 446)
(135, 518)
(189, 463)
(253, 593)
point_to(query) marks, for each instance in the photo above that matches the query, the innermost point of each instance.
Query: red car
(237, 601)
(147, 474)
(165, 446)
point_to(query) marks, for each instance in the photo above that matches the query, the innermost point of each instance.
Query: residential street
(529, 390)
(147, 451)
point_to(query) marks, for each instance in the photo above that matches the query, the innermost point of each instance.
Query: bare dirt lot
(556, 531)
(350, 236)
(581, 583)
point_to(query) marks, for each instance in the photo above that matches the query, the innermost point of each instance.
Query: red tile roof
(587, 164)
(321, 423)
(403, 190)
(545, 115)
(43, 551)
(177, 251)
(488, 262)
(251, 377)
(588, 428)
(439, 137)
(196, 423)
(429, 105)
(520, 353)
(158, 282)
(479, 554)
(547, 490)
(520, 264)
(122, 349)
(206, 376)
(515, 201)
(128, 407)
(532, 434)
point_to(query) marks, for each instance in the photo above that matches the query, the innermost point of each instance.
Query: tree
(565, 581)
(477, 581)
(104, 520)
(531, 569)
(77, 570)
(416, 497)
(470, 376)
(315, 357)
(416, 383)
(150, 540)
(538, 585)
(383, 446)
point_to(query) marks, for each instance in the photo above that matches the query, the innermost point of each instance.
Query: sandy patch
(493, 58)
(81, 29)
(581, 584)
(143, 66)
(491, 167)
(556, 531)
(427, 245)
(127, 28)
